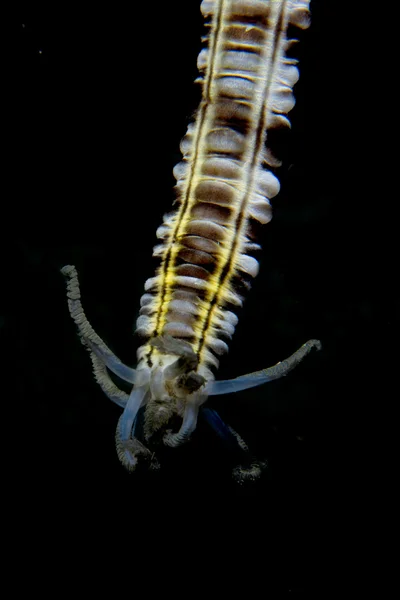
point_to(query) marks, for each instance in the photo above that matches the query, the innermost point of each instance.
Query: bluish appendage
(112, 362)
(130, 411)
(126, 425)
(107, 385)
(229, 386)
(250, 380)
(248, 468)
(221, 429)
(189, 423)
(138, 425)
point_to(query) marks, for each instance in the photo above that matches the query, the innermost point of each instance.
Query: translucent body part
(150, 390)
(224, 186)
(244, 382)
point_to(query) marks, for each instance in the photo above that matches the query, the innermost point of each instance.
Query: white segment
(202, 59)
(180, 170)
(225, 140)
(146, 299)
(240, 61)
(267, 183)
(282, 100)
(178, 329)
(236, 87)
(207, 7)
(260, 210)
(248, 264)
(217, 345)
(183, 306)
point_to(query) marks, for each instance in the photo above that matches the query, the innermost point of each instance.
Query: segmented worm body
(207, 247)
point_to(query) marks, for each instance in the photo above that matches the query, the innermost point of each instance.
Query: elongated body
(224, 186)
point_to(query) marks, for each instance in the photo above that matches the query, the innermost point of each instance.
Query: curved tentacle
(281, 369)
(87, 334)
(189, 423)
(128, 447)
(107, 385)
(248, 468)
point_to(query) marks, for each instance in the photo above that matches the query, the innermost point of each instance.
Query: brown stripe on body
(228, 269)
(222, 188)
(227, 128)
(167, 262)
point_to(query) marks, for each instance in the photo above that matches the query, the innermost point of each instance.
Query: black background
(96, 104)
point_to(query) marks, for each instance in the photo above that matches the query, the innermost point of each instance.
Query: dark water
(97, 105)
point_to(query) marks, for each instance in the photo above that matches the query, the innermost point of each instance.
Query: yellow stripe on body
(164, 294)
(252, 159)
(219, 283)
